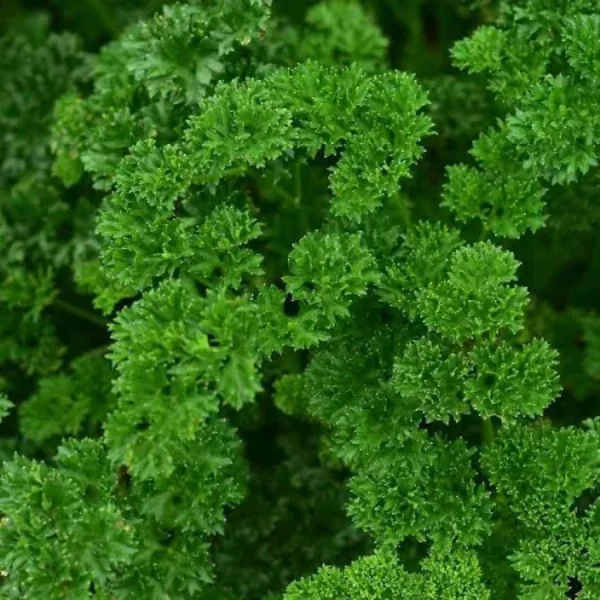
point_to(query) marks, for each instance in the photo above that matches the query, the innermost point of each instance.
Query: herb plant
(299, 302)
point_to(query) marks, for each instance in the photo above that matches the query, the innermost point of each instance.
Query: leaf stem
(487, 431)
(81, 313)
(104, 16)
(283, 194)
(298, 182)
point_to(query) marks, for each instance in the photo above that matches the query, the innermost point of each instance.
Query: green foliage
(72, 532)
(544, 474)
(444, 576)
(145, 80)
(50, 64)
(152, 78)
(5, 406)
(244, 127)
(327, 271)
(450, 507)
(41, 232)
(350, 344)
(340, 31)
(539, 60)
(498, 380)
(475, 288)
(291, 522)
(69, 403)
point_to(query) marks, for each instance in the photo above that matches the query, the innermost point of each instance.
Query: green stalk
(78, 312)
(104, 16)
(487, 431)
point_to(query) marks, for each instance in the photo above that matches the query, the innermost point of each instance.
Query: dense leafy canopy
(282, 320)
